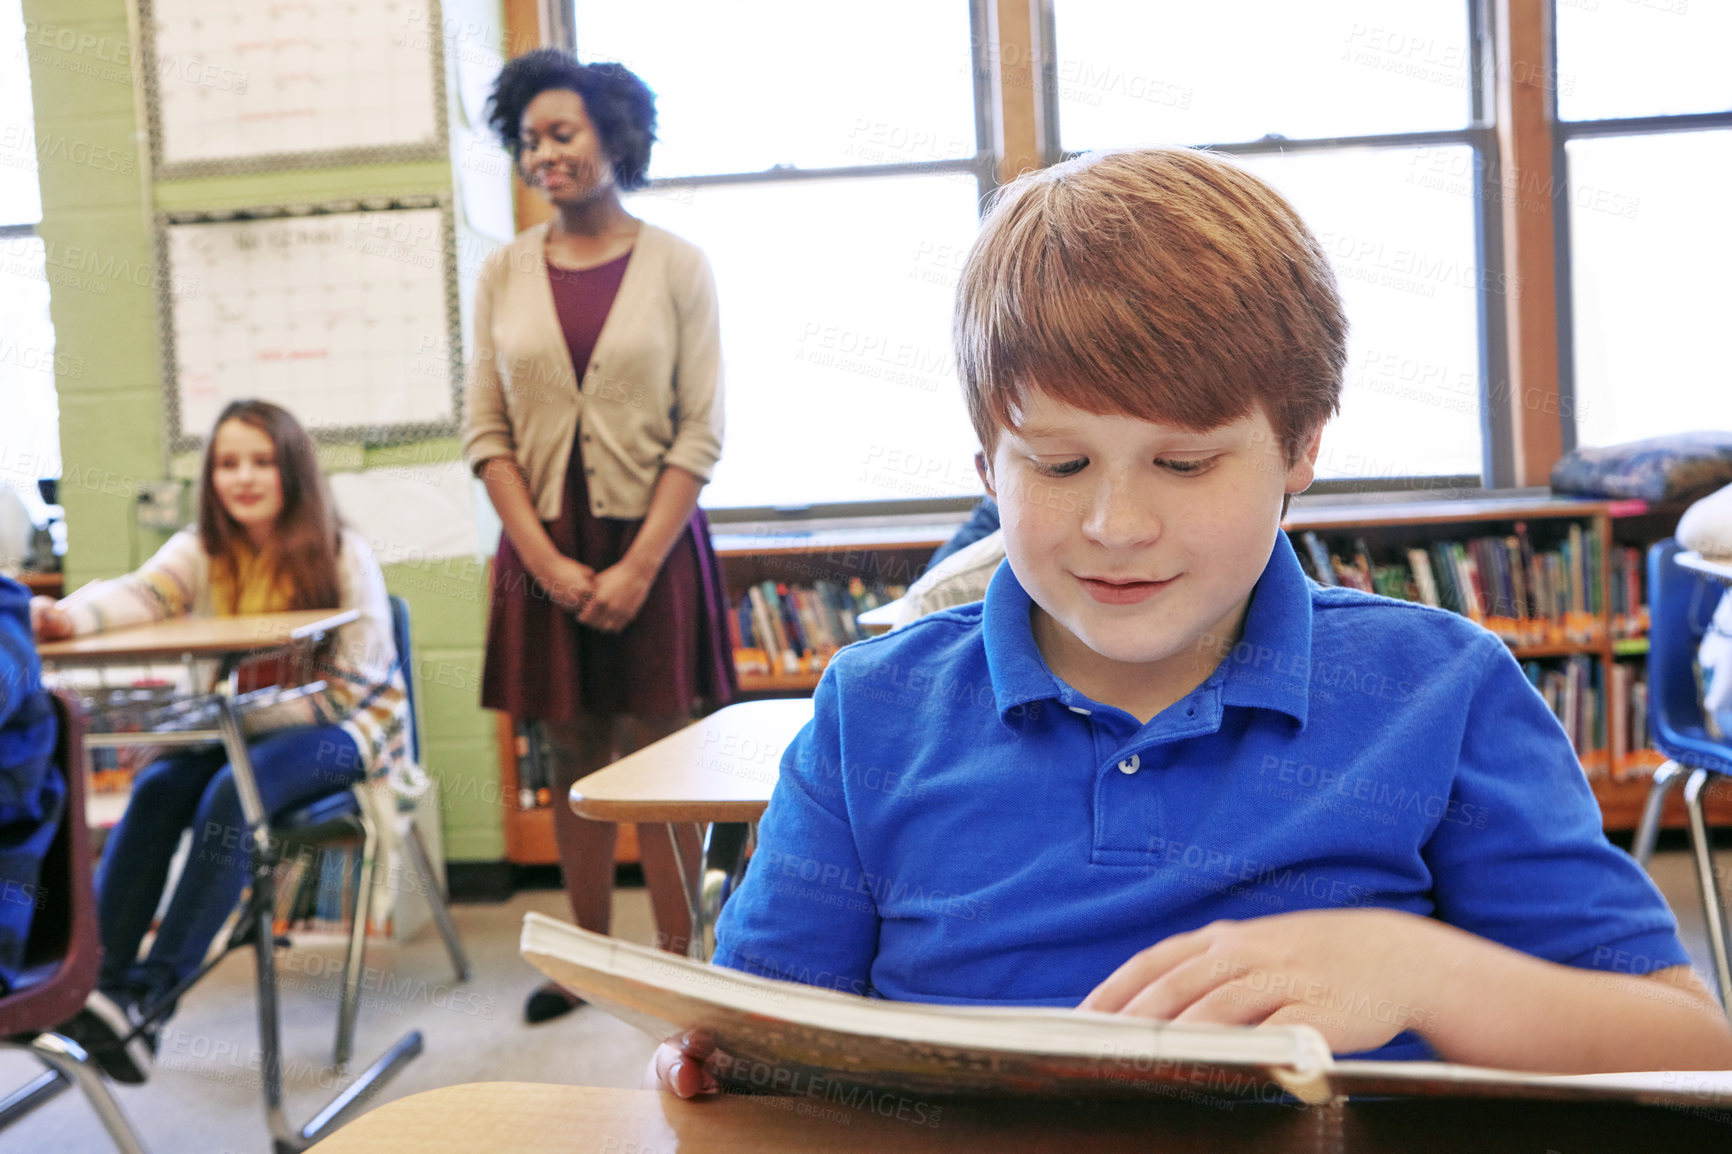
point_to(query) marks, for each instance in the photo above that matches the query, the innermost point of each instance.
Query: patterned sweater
(364, 689)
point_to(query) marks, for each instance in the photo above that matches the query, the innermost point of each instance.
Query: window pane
(1647, 58)
(20, 202)
(835, 298)
(747, 85)
(1398, 227)
(29, 412)
(1651, 241)
(1176, 71)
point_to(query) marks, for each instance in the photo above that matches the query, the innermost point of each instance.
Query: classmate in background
(1158, 771)
(32, 794)
(1706, 527)
(593, 414)
(267, 540)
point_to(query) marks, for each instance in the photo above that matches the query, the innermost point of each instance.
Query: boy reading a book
(1158, 771)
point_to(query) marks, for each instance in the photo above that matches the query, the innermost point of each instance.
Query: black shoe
(549, 1001)
(105, 1029)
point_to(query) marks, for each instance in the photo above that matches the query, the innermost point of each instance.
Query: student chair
(61, 958)
(1681, 604)
(361, 811)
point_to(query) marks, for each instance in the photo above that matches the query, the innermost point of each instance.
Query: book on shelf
(1606, 720)
(534, 771)
(1528, 597)
(794, 629)
(807, 1041)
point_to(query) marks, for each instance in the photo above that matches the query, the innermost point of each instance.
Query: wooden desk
(196, 637)
(228, 640)
(527, 1118)
(717, 773)
(722, 768)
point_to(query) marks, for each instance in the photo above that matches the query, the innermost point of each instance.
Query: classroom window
(829, 162)
(30, 430)
(1644, 158)
(1371, 119)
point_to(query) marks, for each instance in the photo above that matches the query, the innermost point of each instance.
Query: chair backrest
(406, 663)
(63, 953)
(1680, 606)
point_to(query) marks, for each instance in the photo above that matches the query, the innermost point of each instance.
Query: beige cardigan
(651, 395)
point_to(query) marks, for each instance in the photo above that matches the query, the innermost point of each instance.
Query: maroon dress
(541, 664)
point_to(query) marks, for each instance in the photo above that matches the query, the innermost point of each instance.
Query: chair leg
(352, 964)
(70, 1060)
(422, 863)
(724, 863)
(1712, 914)
(1666, 777)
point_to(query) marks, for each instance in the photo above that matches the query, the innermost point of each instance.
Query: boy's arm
(1363, 976)
(806, 911)
(1549, 950)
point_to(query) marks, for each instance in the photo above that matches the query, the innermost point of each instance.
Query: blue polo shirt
(958, 825)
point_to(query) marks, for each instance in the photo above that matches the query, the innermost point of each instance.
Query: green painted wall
(97, 208)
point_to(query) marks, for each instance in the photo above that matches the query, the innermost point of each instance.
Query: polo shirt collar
(1269, 668)
(1013, 662)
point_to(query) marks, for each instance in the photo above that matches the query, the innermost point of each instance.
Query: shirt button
(1130, 764)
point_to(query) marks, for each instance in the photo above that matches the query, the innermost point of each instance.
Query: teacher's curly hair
(618, 103)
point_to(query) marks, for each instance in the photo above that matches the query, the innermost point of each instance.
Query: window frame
(1562, 132)
(1497, 454)
(559, 24)
(32, 229)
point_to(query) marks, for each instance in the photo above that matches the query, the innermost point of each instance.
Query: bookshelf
(894, 551)
(882, 553)
(529, 831)
(1389, 527)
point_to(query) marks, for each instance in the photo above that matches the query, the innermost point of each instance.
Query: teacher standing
(593, 414)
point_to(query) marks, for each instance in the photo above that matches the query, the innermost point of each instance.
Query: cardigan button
(1130, 765)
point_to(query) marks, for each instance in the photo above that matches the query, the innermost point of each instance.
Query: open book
(785, 1037)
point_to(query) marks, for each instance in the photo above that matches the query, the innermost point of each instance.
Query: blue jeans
(196, 788)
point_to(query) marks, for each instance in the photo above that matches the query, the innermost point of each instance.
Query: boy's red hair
(1166, 284)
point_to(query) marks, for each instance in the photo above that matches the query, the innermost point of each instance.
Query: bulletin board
(233, 86)
(345, 314)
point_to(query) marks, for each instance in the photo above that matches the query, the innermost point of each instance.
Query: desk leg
(694, 900)
(285, 1138)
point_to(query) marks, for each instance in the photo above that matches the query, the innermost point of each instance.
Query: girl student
(267, 540)
(593, 413)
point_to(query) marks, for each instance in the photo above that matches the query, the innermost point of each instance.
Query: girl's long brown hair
(308, 536)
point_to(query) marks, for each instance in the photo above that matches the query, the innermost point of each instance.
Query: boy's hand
(48, 621)
(682, 1066)
(1359, 976)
